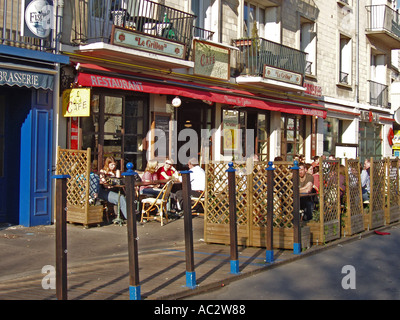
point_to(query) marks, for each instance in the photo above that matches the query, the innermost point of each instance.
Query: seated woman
(149, 175)
(167, 171)
(105, 191)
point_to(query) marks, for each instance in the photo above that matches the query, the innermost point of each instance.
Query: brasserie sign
(27, 79)
(135, 40)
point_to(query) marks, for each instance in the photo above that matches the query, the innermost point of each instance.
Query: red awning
(208, 93)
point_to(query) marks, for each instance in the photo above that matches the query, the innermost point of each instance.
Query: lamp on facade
(176, 102)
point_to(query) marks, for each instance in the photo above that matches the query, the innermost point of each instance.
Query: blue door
(36, 159)
(3, 211)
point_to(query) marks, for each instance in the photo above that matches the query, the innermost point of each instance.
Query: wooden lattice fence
(392, 209)
(251, 205)
(374, 214)
(332, 217)
(80, 187)
(326, 226)
(352, 212)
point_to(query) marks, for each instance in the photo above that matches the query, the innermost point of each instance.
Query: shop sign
(135, 40)
(76, 102)
(312, 89)
(27, 79)
(37, 17)
(211, 60)
(282, 75)
(396, 140)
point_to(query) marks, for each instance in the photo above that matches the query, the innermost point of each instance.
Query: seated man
(197, 183)
(306, 182)
(365, 180)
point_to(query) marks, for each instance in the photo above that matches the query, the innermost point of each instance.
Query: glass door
(116, 127)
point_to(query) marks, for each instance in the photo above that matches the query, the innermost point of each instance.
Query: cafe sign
(211, 60)
(76, 102)
(282, 75)
(135, 40)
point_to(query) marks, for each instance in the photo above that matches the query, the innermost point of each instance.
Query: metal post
(296, 210)
(134, 286)
(269, 254)
(186, 188)
(232, 219)
(61, 236)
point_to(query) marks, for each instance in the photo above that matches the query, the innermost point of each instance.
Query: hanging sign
(134, 40)
(211, 60)
(76, 102)
(37, 18)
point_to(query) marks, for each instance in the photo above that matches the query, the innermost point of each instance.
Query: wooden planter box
(85, 216)
(283, 237)
(392, 214)
(322, 234)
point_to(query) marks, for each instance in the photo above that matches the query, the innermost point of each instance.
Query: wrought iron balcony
(383, 25)
(378, 94)
(257, 53)
(10, 29)
(93, 21)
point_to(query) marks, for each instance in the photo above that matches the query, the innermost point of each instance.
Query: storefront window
(370, 141)
(262, 137)
(254, 132)
(292, 139)
(332, 135)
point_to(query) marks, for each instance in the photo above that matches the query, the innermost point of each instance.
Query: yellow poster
(396, 140)
(76, 102)
(230, 130)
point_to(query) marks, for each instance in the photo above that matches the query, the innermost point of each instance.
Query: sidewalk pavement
(98, 266)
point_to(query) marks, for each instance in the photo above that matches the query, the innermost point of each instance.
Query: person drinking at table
(306, 182)
(149, 175)
(167, 171)
(106, 191)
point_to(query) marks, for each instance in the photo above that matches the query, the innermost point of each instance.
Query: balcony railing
(93, 23)
(255, 53)
(383, 18)
(378, 94)
(10, 29)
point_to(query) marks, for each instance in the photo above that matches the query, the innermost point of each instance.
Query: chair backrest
(167, 190)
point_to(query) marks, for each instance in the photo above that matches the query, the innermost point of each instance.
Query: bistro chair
(158, 203)
(198, 201)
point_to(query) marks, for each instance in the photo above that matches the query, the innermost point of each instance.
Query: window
(205, 15)
(345, 58)
(370, 141)
(332, 135)
(308, 44)
(254, 20)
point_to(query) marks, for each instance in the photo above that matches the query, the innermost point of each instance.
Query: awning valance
(201, 92)
(23, 78)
